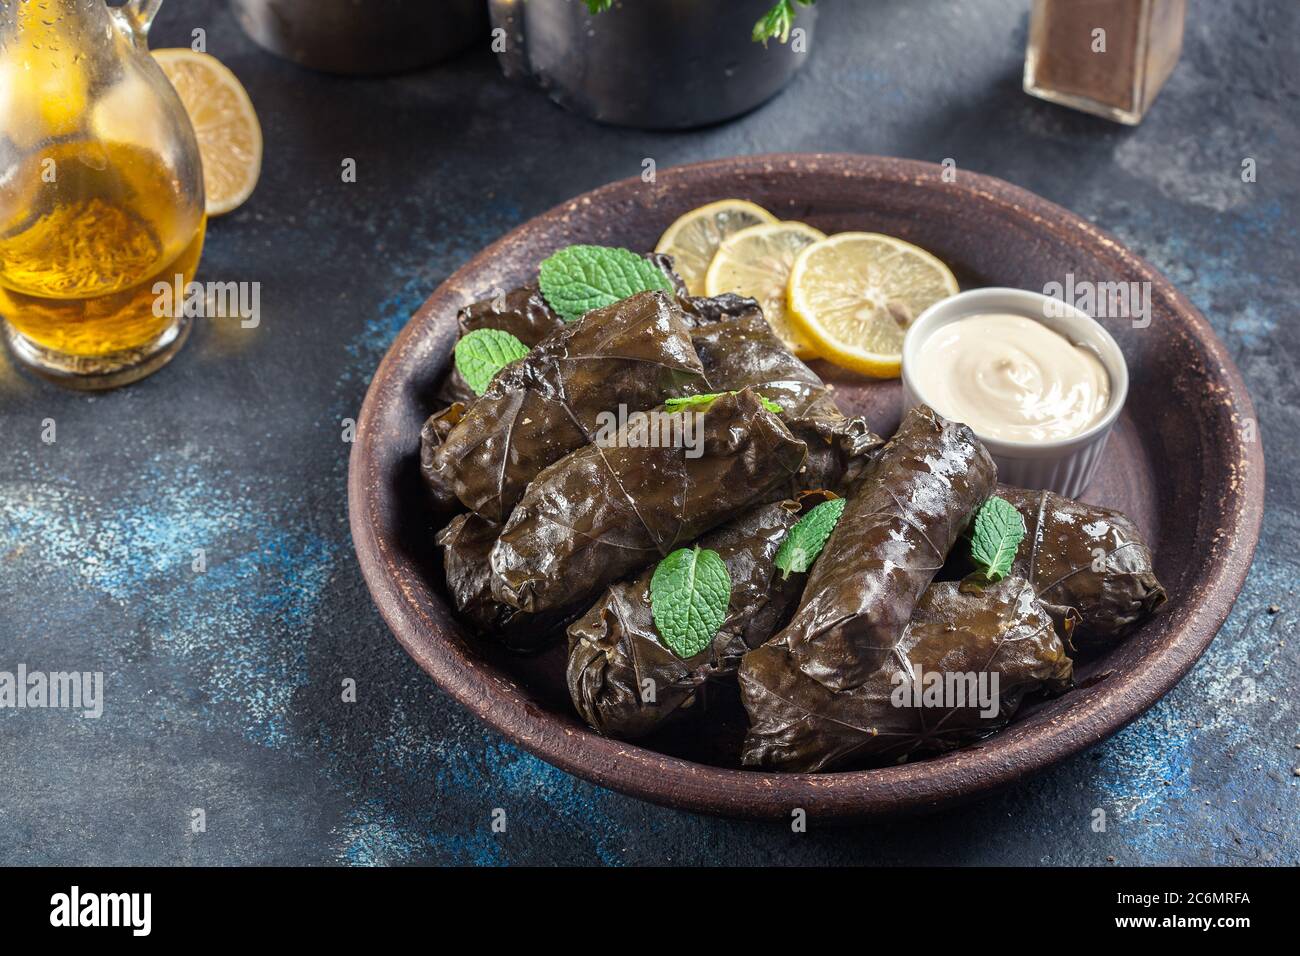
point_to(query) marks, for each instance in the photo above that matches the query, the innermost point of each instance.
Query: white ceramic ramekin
(1065, 466)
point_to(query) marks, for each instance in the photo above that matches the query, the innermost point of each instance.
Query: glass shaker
(1108, 57)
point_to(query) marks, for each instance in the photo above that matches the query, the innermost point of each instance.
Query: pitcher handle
(508, 17)
(139, 15)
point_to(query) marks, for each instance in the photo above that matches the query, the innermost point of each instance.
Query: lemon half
(855, 294)
(694, 237)
(225, 124)
(756, 262)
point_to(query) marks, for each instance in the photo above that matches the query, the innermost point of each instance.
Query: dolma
(897, 528)
(522, 312)
(738, 349)
(665, 265)
(840, 452)
(466, 543)
(626, 683)
(632, 354)
(705, 309)
(1088, 558)
(525, 314)
(958, 672)
(432, 434)
(609, 509)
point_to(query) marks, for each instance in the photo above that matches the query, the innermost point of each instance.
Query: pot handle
(510, 45)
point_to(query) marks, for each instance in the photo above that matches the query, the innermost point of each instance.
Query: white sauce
(1012, 378)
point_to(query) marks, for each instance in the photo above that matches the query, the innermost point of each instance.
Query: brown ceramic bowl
(1177, 463)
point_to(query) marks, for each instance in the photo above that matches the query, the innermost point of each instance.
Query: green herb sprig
(773, 25)
(995, 538)
(484, 352)
(689, 594)
(580, 278)
(805, 540)
(703, 401)
(777, 22)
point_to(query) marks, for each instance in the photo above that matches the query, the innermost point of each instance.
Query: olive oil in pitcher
(78, 276)
(101, 192)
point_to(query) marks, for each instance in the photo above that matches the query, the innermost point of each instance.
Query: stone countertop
(223, 688)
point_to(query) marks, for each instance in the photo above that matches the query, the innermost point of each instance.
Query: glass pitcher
(101, 192)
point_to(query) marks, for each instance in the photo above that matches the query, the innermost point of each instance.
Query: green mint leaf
(689, 594)
(997, 534)
(484, 352)
(598, 6)
(807, 538)
(691, 401)
(577, 279)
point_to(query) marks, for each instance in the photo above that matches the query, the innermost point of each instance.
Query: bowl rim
(426, 630)
(967, 303)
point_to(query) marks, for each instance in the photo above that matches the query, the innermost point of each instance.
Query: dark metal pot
(362, 36)
(657, 64)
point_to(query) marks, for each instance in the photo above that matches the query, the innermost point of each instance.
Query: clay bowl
(1177, 463)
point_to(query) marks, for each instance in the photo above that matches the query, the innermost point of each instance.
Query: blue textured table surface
(223, 688)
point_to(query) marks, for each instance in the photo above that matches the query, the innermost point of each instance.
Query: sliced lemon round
(854, 295)
(694, 237)
(756, 262)
(225, 124)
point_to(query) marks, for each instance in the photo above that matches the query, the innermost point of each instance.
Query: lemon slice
(694, 237)
(756, 262)
(225, 123)
(854, 295)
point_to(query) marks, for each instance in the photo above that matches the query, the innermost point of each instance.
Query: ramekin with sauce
(1038, 380)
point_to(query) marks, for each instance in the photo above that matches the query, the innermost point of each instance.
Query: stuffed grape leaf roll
(739, 349)
(897, 528)
(466, 543)
(706, 309)
(625, 682)
(958, 672)
(840, 452)
(1088, 558)
(525, 314)
(609, 509)
(434, 432)
(522, 312)
(633, 354)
